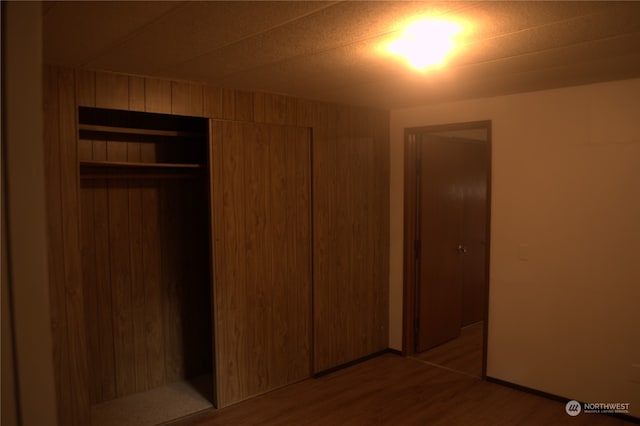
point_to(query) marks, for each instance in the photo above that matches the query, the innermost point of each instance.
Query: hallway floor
(463, 354)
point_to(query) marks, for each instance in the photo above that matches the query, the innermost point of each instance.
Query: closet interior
(146, 264)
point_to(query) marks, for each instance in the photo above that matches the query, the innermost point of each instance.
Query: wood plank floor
(463, 354)
(393, 390)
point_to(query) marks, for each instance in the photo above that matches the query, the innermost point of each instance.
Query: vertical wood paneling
(153, 312)
(367, 246)
(136, 223)
(289, 152)
(138, 300)
(120, 269)
(349, 225)
(136, 93)
(213, 102)
(55, 250)
(380, 131)
(157, 98)
(243, 106)
(112, 91)
(136, 103)
(157, 95)
(220, 103)
(343, 296)
(105, 371)
(85, 88)
(171, 216)
(85, 96)
(365, 202)
(262, 246)
(99, 149)
(350, 244)
(331, 282)
(133, 232)
(356, 156)
(300, 197)
(306, 113)
(258, 107)
(187, 99)
(85, 149)
(283, 283)
(324, 185)
(161, 328)
(279, 109)
(258, 257)
(78, 386)
(299, 262)
(91, 301)
(96, 281)
(228, 104)
(229, 231)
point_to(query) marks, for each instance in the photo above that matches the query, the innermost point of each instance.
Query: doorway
(446, 257)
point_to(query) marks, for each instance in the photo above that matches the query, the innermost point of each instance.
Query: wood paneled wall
(351, 231)
(65, 278)
(350, 211)
(262, 249)
(146, 284)
(145, 249)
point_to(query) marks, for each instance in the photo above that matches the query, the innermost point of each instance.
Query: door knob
(461, 248)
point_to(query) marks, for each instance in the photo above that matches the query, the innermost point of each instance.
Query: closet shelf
(125, 164)
(145, 176)
(126, 170)
(137, 131)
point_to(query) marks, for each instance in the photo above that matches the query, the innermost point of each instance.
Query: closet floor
(155, 406)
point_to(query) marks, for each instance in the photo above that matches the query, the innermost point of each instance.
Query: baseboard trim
(354, 362)
(625, 417)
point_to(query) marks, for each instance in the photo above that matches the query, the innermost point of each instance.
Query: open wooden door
(439, 235)
(474, 232)
(450, 233)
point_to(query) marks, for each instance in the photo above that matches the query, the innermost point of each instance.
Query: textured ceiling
(329, 50)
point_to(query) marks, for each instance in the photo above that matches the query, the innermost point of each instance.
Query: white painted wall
(564, 314)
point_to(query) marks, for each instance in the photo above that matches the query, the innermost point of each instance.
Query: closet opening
(146, 264)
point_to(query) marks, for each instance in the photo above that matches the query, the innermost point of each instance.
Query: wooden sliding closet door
(262, 250)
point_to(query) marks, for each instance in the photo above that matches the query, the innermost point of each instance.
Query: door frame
(409, 317)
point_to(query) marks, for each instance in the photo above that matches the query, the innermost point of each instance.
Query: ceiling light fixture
(426, 43)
